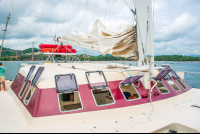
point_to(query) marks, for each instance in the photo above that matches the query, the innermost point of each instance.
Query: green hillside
(29, 50)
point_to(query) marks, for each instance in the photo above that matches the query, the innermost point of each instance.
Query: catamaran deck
(128, 119)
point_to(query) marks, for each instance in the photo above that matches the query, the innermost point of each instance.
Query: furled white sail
(118, 41)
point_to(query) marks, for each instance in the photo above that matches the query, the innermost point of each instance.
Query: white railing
(185, 74)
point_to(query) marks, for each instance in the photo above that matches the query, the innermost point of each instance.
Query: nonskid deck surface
(173, 110)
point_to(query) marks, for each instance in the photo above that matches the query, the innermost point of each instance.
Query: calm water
(192, 79)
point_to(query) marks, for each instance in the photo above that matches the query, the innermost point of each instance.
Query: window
(69, 101)
(102, 96)
(129, 92)
(161, 87)
(21, 93)
(128, 89)
(34, 82)
(68, 98)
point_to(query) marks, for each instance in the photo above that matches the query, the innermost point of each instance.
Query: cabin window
(34, 82)
(21, 93)
(182, 84)
(68, 97)
(69, 101)
(161, 87)
(29, 75)
(29, 94)
(173, 85)
(129, 92)
(103, 96)
(128, 89)
(98, 84)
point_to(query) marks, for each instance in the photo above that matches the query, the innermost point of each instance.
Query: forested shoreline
(99, 58)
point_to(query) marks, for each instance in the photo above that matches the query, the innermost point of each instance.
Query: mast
(145, 38)
(8, 18)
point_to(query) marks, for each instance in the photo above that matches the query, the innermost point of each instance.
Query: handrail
(191, 73)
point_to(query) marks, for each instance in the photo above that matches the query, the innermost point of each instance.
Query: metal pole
(32, 52)
(185, 76)
(8, 18)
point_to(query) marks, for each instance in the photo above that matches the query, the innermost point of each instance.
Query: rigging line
(57, 17)
(94, 10)
(116, 15)
(109, 14)
(86, 19)
(93, 18)
(105, 13)
(74, 17)
(109, 10)
(153, 14)
(127, 4)
(98, 8)
(83, 13)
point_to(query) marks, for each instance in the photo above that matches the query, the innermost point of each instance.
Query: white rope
(109, 11)
(74, 17)
(98, 8)
(57, 17)
(116, 15)
(86, 19)
(83, 13)
(105, 14)
(153, 14)
(150, 93)
(109, 14)
(127, 4)
(94, 9)
(11, 6)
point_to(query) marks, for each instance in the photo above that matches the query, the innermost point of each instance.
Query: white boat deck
(129, 119)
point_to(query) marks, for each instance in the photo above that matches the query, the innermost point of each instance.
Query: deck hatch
(176, 77)
(91, 75)
(37, 76)
(66, 82)
(29, 74)
(34, 82)
(171, 71)
(23, 89)
(162, 75)
(131, 79)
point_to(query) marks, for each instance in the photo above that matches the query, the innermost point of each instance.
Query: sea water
(193, 79)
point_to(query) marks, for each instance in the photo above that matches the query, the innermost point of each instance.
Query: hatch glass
(66, 82)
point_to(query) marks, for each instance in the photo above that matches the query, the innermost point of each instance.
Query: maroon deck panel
(44, 102)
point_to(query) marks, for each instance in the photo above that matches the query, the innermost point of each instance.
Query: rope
(153, 14)
(86, 19)
(130, 75)
(109, 11)
(150, 93)
(74, 17)
(83, 13)
(116, 15)
(109, 14)
(11, 6)
(57, 17)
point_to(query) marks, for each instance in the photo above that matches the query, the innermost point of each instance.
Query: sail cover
(118, 41)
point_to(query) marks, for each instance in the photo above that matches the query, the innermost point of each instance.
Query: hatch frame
(100, 72)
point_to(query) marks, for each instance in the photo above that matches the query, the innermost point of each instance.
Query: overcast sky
(176, 22)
